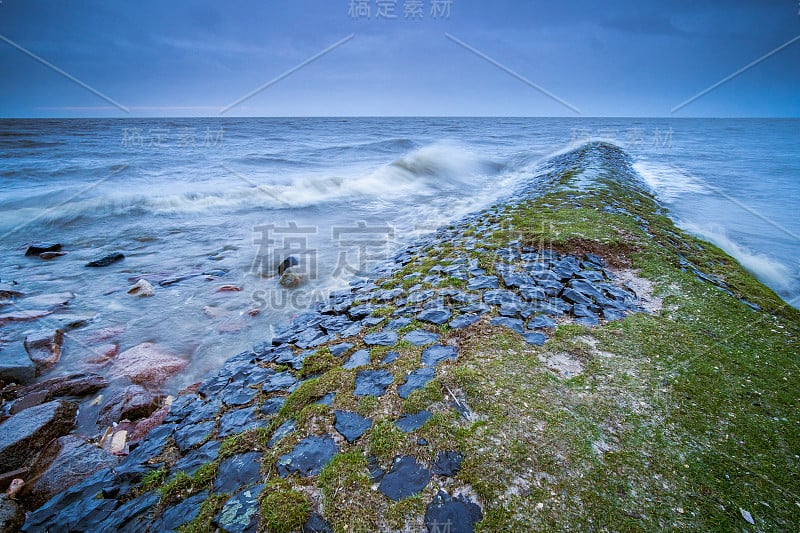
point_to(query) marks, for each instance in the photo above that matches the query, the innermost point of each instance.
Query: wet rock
(134, 515)
(32, 429)
(242, 512)
(421, 337)
(351, 425)
(106, 260)
(463, 321)
(287, 263)
(64, 462)
(38, 248)
(11, 514)
(282, 432)
(382, 338)
(309, 457)
(48, 301)
(358, 359)
(177, 279)
(437, 353)
(514, 324)
(435, 316)
(179, 514)
(8, 291)
(455, 515)
(44, 348)
(15, 365)
(372, 382)
(23, 315)
(146, 364)
(535, 339)
(292, 278)
(409, 423)
(193, 460)
(239, 421)
(415, 380)
(238, 471)
(190, 436)
(142, 288)
(70, 385)
(29, 400)
(131, 403)
(447, 463)
(406, 478)
(483, 282)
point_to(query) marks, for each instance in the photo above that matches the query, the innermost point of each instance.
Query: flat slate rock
(381, 338)
(541, 322)
(351, 425)
(239, 421)
(282, 381)
(409, 423)
(373, 382)
(193, 460)
(338, 350)
(536, 339)
(194, 434)
(31, 430)
(454, 515)
(406, 478)
(309, 457)
(513, 324)
(421, 337)
(390, 357)
(177, 515)
(316, 524)
(464, 320)
(283, 430)
(106, 260)
(242, 512)
(447, 463)
(437, 353)
(483, 282)
(272, 406)
(415, 380)
(397, 323)
(238, 471)
(358, 359)
(435, 316)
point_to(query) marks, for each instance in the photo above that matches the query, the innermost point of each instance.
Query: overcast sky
(603, 58)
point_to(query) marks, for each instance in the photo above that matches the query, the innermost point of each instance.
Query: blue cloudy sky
(609, 58)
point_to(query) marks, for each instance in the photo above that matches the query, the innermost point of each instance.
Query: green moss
(367, 405)
(208, 511)
(423, 398)
(406, 514)
(383, 311)
(283, 509)
(384, 439)
(349, 501)
(319, 362)
(154, 479)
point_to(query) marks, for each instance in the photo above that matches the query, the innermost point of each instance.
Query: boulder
(131, 403)
(146, 364)
(31, 430)
(44, 348)
(64, 462)
(142, 288)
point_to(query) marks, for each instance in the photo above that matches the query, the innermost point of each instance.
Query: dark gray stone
(193, 460)
(237, 393)
(177, 515)
(406, 478)
(190, 436)
(437, 353)
(338, 350)
(613, 314)
(447, 463)
(500, 296)
(282, 381)
(31, 430)
(483, 282)
(415, 380)
(372, 382)
(327, 399)
(398, 323)
(532, 294)
(238, 471)
(361, 311)
(409, 423)
(132, 516)
(513, 324)
(242, 512)
(381, 338)
(239, 421)
(272, 406)
(463, 321)
(575, 297)
(309, 457)
(39, 248)
(435, 316)
(106, 260)
(536, 339)
(15, 365)
(390, 357)
(454, 515)
(358, 359)
(283, 431)
(541, 321)
(351, 425)
(421, 337)
(372, 321)
(317, 524)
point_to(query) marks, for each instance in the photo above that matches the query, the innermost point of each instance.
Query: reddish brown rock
(71, 385)
(131, 403)
(102, 354)
(229, 288)
(44, 348)
(104, 334)
(143, 428)
(146, 364)
(23, 316)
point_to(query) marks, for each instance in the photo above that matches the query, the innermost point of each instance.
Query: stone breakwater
(272, 414)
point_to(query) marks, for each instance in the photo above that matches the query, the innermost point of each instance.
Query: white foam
(668, 183)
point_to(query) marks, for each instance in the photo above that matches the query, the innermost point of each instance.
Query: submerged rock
(38, 248)
(146, 364)
(106, 260)
(15, 365)
(131, 403)
(44, 348)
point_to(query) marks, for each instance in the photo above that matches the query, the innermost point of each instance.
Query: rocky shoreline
(349, 418)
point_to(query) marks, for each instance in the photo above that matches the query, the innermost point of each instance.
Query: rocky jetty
(360, 413)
